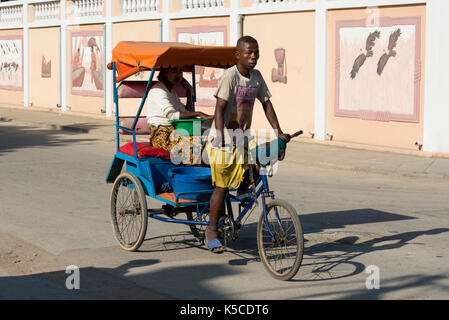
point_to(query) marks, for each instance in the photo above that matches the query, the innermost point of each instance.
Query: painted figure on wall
(77, 59)
(206, 78)
(45, 68)
(87, 59)
(11, 65)
(390, 52)
(279, 74)
(366, 53)
(96, 70)
(378, 69)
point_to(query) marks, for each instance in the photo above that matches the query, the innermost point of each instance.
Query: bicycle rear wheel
(197, 230)
(129, 211)
(280, 250)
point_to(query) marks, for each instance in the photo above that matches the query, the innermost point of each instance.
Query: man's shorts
(228, 167)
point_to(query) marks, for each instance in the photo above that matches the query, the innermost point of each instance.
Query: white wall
(436, 94)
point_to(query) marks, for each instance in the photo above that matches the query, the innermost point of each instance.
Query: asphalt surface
(358, 208)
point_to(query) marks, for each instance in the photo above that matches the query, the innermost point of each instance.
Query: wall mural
(378, 69)
(11, 62)
(87, 63)
(206, 78)
(279, 74)
(45, 68)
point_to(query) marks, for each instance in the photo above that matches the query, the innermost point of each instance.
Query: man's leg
(215, 212)
(247, 180)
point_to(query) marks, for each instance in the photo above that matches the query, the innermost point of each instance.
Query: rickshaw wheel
(128, 211)
(197, 230)
(281, 253)
(193, 228)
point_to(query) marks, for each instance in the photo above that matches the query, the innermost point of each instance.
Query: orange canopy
(131, 57)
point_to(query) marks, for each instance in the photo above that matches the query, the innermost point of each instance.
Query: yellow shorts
(227, 168)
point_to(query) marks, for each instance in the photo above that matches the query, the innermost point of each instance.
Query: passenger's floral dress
(186, 150)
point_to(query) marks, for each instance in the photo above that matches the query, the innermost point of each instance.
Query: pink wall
(293, 100)
(49, 50)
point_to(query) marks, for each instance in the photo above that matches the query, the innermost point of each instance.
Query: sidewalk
(100, 126)
(303, 151)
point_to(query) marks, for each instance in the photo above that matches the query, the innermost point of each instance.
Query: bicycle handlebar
(297, 133)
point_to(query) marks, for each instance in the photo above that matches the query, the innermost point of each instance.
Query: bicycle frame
(263, 190)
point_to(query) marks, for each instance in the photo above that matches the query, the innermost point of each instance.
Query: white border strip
(206, 12)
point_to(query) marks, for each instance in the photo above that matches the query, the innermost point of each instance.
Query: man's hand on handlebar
(285, 137)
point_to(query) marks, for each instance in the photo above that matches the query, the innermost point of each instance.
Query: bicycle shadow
(318, 222)
(335, 258)
(325, 258)
(182, 240)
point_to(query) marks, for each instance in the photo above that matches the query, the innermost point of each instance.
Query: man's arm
(273, 120)
(220, 107)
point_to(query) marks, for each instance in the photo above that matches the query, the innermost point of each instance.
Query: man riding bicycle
(238, 88)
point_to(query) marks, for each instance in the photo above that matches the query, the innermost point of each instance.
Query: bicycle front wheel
(280, 240)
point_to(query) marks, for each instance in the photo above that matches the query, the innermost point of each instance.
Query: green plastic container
(188, 127)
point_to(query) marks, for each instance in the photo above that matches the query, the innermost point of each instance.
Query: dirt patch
(19, 257)
(30, 266)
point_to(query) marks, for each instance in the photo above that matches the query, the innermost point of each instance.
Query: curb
(356, 168)
(68, 128)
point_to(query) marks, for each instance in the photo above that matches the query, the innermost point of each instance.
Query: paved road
(54, 213)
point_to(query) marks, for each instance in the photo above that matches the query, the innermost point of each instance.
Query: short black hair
(246, 39)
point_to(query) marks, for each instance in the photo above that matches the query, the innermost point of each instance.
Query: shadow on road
(418, 282)
(138, 278)
(123, 282)
(338, 259)
(324, 259)
(317, 222)
(16, 137)
(94, 283)
(334, 258)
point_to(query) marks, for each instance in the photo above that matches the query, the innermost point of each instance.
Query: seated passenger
(163, 104)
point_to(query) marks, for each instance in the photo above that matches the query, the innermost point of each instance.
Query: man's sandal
(214, 246)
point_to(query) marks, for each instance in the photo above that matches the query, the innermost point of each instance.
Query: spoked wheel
(128, 211)
(281, 250)
(198, 230)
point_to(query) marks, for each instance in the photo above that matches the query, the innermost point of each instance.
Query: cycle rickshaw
(139, 171)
